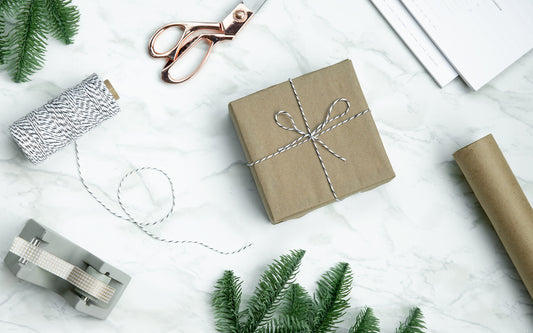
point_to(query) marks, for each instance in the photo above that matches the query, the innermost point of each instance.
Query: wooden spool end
(111, 89)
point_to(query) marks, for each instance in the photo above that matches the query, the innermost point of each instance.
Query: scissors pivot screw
(240, 16)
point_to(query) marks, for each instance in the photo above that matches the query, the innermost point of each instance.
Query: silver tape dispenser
(43, 257)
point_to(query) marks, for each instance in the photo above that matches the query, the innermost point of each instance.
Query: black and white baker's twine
(63, 119)
(68, 116)
(312, 135)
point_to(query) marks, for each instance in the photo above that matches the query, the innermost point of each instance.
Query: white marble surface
(421, 239)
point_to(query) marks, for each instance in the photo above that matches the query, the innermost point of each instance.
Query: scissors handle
(188, 29)
(193, 33)
(188, 45)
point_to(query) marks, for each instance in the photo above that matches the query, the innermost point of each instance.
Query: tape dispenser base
(43, 257)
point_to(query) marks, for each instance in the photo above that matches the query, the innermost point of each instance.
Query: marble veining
(421, 239)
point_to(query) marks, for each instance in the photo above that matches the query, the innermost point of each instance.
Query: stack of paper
(476, 39)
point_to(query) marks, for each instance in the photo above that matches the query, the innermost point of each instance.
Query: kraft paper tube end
(488, 138)
(111, 89)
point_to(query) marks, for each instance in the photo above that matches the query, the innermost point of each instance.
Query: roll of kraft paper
(504, 202)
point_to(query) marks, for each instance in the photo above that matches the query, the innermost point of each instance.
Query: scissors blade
(254, 5)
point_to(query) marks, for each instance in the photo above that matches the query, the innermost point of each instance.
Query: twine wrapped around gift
(312, 135)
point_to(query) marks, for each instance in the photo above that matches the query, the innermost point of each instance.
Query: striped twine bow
(312, 135)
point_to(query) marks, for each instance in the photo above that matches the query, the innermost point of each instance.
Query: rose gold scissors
(194, 32)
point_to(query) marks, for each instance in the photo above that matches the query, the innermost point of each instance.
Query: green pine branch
(28, 41)
(279, 305)
(297, 304)
(414, 323)
(23, 47)
(271, 289)
(365, 322)
(226, 302)
(331, 298)
(63, 20)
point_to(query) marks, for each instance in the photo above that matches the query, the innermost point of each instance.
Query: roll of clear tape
(93, 286)
(502, 199)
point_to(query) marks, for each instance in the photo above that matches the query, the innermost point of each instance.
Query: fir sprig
(331, 298)
(227, 300)
(23, 44)
(63, 19)
(271, 289)
(365, 322)
(28, 41)
(414, 322)
(297, 304)
(281, 306)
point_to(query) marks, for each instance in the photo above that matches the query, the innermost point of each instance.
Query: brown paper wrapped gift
(294, 181)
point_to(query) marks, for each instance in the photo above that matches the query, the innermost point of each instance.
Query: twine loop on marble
(127, 216)
(312, 134)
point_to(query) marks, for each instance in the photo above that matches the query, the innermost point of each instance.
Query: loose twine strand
(68, 116)
(127, 216)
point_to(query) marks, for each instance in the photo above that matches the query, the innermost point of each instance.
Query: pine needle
(28, 41)
(286, 324)
(331, 297)
(414, 323)
(2, 39)
(226, 302)
(365, 322)
(271, 289)
(8, 7)
(63, 20)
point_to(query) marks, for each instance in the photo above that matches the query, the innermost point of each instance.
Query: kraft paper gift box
(295, 179)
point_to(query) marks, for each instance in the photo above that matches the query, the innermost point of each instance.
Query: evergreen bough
(365, 322)
(24, 27)
(331, 298)
(279, 305)
(413, 324)
(270, 290)
(62, 20)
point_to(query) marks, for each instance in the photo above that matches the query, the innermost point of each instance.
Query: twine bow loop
(320, 127)
(326, 121)
(316, 132)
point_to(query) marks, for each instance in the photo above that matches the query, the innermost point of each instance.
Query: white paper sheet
(416, 40)
(480, 38)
